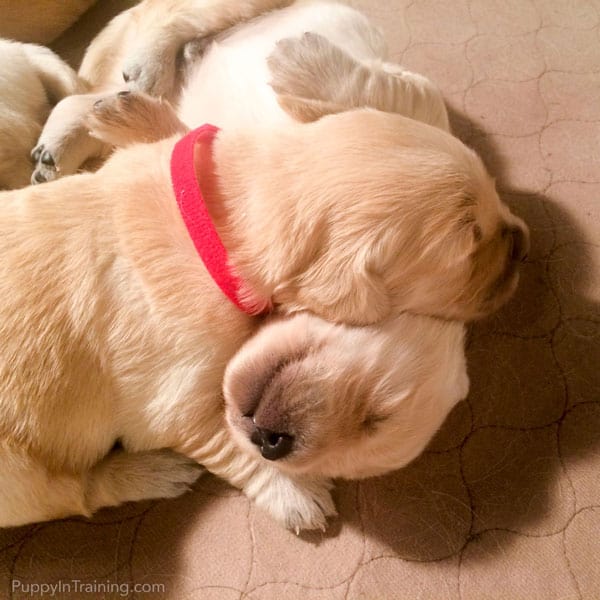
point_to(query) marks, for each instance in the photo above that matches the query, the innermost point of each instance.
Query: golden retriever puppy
(445, 264)
(338, 401)
(32, 80)
(454, 251)
(113, 328)
(142, 45)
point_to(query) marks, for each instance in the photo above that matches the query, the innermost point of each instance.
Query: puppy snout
(518, 243)
(273, 445)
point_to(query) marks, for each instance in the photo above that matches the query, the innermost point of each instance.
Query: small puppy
(174, 50)
(458, 238)
(114, 330)
(32, 80)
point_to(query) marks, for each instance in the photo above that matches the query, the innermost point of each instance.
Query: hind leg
(132, 476)
(29, 493)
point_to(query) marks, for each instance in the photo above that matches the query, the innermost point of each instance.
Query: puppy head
(340, 401)
(397, 215)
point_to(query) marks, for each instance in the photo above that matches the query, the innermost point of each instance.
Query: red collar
(198, 221)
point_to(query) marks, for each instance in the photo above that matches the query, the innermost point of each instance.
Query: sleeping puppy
(338, 401)
(32, 80)
(113, 328)
(458, 238)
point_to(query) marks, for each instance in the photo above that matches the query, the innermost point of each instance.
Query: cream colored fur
(230, 86)
(32, 80)
(115, 331)
(357, 401)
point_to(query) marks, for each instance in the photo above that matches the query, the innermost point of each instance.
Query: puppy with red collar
(125, 294)
(116, 325)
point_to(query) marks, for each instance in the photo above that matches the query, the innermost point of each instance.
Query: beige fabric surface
(505, 503)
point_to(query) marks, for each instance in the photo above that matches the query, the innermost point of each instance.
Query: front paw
(152, 72)
(128, 117)
(44, 164)
(295, 503)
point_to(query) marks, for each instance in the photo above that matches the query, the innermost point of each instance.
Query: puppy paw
(44, 168)
(126, 477)
(151, 71)
(64, 144)
(130, 117)
(296, 504)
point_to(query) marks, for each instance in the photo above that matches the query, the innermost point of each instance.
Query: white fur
(229, 86)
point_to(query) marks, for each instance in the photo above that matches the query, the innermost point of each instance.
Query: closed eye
(372, 421)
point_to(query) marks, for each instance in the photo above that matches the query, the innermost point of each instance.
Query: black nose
(273, 446)
(518, 243)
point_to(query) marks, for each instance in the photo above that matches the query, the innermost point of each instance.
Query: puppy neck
(259, 206)
(193, 179)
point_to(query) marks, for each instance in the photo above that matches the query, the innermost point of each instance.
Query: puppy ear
(305, 110)
(354, 293)
(310, 76)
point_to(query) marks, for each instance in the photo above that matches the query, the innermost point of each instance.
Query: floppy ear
(353, 293)
(311, 77)
(305, 110)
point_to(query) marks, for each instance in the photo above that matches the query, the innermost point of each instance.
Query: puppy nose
(519, 244)
(273, 445)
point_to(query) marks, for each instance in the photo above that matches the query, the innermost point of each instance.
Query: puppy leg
(296, 502)
(415, 96)
(130, 477)
(152, 64)
(128, 117)
(64, 144)
(313, 78)
(29, 493)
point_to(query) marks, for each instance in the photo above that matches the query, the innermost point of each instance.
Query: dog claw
(297, 530)
(36, 152)
(47, 158)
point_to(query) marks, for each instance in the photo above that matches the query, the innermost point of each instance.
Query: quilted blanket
(505, 502)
